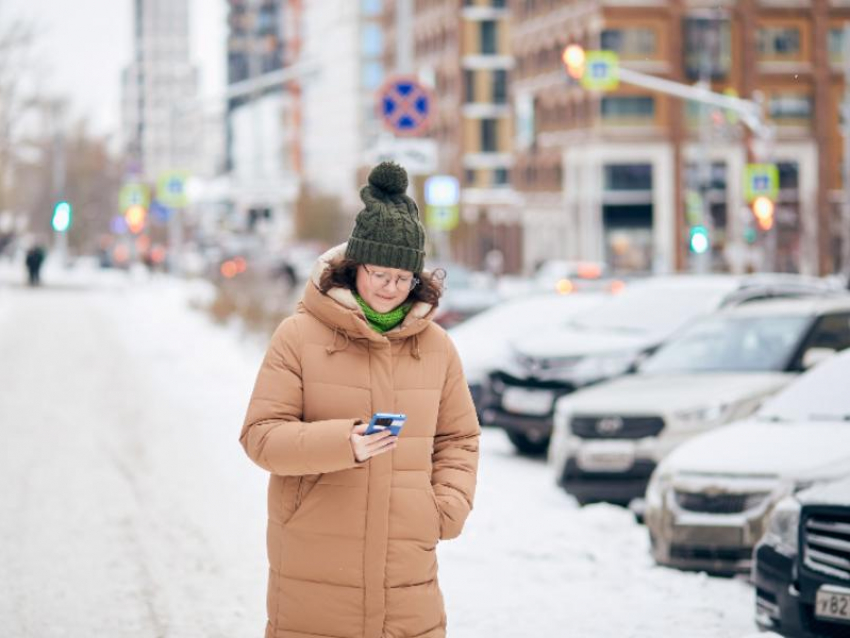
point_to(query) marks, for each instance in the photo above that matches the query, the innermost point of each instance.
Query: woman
(354, 519)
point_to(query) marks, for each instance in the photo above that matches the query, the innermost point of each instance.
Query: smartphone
(380, 421)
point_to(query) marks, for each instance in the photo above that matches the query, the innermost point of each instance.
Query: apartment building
(158, 134)
(461, 49)
(262, 186)
(605, 176)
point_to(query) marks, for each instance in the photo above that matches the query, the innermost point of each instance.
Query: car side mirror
(814, 356)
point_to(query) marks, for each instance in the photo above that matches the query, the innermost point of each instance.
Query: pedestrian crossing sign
(761, 180)
(602, 71)
(442, 217)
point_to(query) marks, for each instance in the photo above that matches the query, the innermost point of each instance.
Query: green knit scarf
(383, 321)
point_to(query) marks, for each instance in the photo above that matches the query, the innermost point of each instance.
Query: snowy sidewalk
(129, 509)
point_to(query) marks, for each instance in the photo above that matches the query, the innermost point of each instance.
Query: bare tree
(17, 38)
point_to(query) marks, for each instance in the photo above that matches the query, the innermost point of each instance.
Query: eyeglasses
(382, 279)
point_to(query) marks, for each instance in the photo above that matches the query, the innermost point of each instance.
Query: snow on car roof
(789, 306)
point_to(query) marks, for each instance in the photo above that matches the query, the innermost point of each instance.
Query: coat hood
(339, 310)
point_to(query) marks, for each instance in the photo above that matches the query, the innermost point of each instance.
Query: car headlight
(782, 528)
(660, 482)
(598, 367)
(706, 415)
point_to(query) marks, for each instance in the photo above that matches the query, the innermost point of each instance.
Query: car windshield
(731, 344)
(819, 395)
(652, 309)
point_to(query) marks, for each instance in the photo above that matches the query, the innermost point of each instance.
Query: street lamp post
(751, 112)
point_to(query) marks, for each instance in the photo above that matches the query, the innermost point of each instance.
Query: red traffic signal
(574, 60)
(135, 216)
(763, 209)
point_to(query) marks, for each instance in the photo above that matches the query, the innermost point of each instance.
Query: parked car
(801, 567)
(482, 341)
(609, 438)
(466, 294)
(609, 340)
(708, 502)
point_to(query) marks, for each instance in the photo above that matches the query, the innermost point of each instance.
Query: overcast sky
(85, 44)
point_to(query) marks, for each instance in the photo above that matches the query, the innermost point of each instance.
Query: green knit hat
(387, 231)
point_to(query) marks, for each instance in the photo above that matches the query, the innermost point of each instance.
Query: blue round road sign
(405, 106)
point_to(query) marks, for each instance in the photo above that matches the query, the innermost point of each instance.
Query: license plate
(522, 401)
(833, 603)
(606, 456)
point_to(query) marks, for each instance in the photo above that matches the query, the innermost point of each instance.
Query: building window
(372, 74)
(628, 109)
(835, 44)
(788, 175)
(489, 37)
(630, 43)
(500, 86)
(498, 4)
(370, 7)
(628, 177)
(489, 136)
(469, 177)
(708, 48)
(500, 177)
(790, 108)
(469, 85)
(779, 43)
(371, 40)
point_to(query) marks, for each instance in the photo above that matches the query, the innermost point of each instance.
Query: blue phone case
(380, 421)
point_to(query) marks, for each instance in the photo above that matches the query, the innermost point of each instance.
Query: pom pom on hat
(389, 177)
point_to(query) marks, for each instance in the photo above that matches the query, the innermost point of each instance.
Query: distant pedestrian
(354, 519)
(34, 260)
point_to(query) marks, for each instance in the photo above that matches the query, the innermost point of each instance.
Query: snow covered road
(128, 509)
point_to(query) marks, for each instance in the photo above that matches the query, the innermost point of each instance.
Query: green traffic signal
(699, 239)
(62, 214)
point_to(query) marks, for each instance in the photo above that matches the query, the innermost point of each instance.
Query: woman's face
(382, 288)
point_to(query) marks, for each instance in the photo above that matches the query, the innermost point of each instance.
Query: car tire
(526, 446)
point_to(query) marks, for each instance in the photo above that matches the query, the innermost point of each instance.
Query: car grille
(826, 543)
(685, 552)
(499, 380)
(616, 427)
(719, 503)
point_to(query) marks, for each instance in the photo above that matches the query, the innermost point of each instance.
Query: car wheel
(525, 445)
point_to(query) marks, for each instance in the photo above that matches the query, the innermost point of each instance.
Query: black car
(801, 568)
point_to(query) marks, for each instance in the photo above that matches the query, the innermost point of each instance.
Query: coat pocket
(303, 489)
(437, 515)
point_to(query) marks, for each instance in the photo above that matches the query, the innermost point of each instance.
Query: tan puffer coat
(351, 545)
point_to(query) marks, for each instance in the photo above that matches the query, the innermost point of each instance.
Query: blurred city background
(643, 210)
(184, 132)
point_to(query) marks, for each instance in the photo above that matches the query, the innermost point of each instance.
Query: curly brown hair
(343, 274)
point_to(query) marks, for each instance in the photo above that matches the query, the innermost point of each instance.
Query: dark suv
(801, 567)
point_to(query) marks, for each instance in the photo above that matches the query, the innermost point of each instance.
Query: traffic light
(699, 239)
(763, 210)
(135, 217)
(574, 60)
(62, 214)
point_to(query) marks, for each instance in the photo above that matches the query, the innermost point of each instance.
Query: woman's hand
(365, 447)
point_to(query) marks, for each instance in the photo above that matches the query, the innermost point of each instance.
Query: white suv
(609, 438)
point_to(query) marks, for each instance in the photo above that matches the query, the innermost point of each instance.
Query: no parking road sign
(405, 106)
